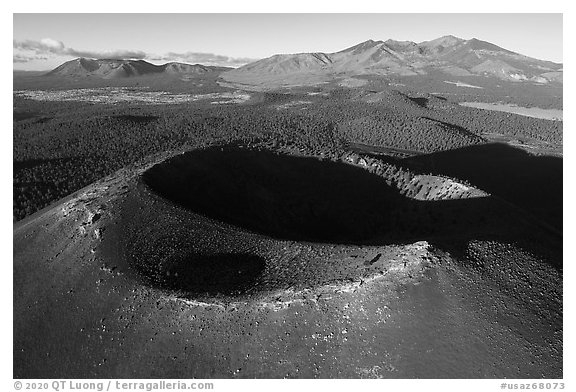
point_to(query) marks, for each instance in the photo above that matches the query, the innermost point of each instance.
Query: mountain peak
(476, 43)
(402, 46)
(450, 55)
(451, 37)
(362, 46)
(393, 41)
(445, 41)
(120, 68)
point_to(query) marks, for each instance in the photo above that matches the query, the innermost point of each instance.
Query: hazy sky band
(233, 39)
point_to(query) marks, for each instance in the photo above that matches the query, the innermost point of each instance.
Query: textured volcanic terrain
(231, 261)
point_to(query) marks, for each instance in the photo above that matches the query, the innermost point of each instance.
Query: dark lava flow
(281, 196)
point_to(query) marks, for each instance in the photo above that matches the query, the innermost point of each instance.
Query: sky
(44, 41)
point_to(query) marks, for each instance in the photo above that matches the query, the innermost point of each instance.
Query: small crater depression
(278, 195)
(223, 273)
(174, 263)
(23, 115)
(422, 102)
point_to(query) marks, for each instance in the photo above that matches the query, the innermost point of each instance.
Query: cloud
(22, 58)
(34, 50)
(204, 58)
(30, 50)
(45, 45)
(52, 44)
(117, 54)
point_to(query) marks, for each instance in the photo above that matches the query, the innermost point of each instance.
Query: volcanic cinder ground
(248, 261)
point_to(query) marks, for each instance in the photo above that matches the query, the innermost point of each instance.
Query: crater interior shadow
(531, 182)
(281, 196)
(196, 273)
(422, 102)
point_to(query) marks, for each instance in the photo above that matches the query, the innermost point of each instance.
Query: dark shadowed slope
(531, 182)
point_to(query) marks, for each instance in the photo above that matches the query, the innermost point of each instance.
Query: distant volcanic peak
(441, 45)
(392, 43)
(88, 64)
(121, 68)
(381, 52)
(192, 68)
(396, 42)
(361, 47)
(76, 67)
(477, 44)
(175, 67)
(445, 41)
(404, 47)
(114, 61)
(367, 43)
(405, 58)
(127, 68)
(304, 60)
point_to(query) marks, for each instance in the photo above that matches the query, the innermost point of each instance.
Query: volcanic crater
(278, 195)
(265, 197)
(223, 220)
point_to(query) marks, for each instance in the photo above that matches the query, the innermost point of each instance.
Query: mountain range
(115, 69)
(450, 55)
